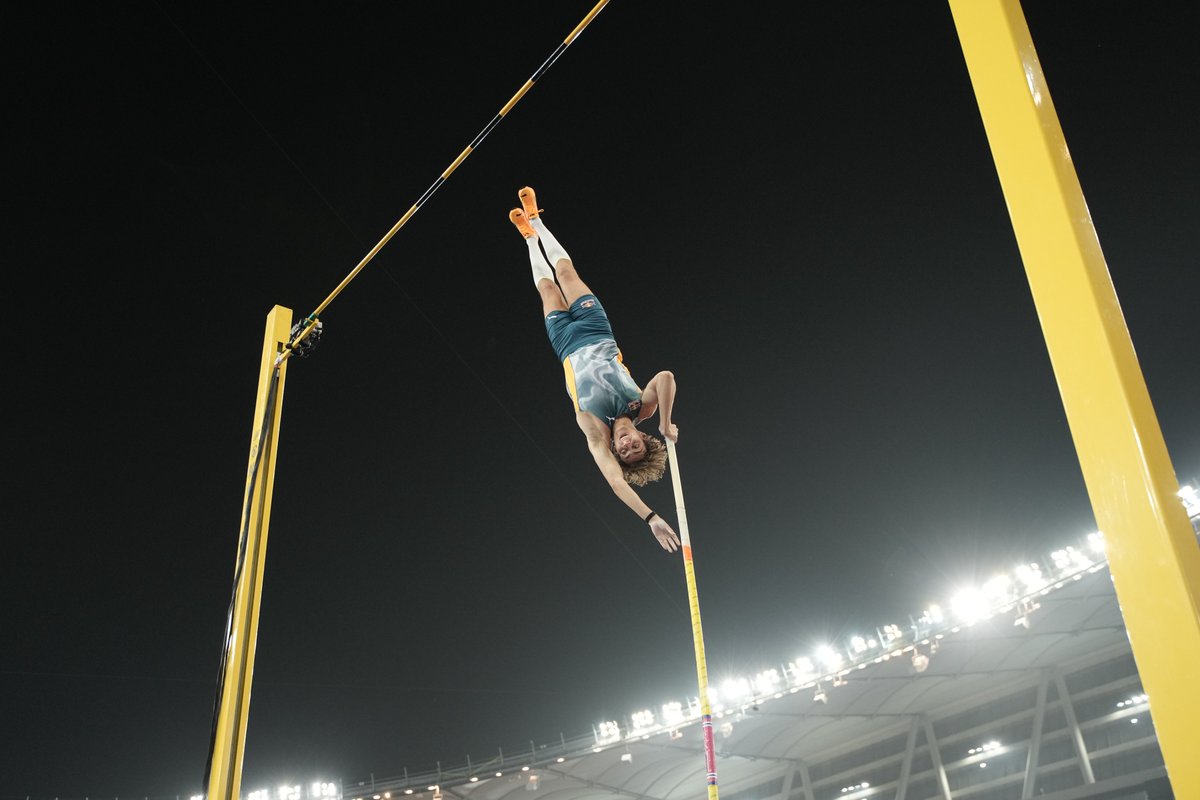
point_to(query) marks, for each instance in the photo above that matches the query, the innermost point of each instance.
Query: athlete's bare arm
(599, 442)
(660, 394)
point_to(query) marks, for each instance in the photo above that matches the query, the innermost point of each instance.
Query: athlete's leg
(543, 276)
(572, 286)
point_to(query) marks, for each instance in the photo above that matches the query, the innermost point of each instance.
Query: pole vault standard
(706, 725)
(231, 710)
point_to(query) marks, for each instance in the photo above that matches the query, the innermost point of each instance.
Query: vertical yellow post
(229, 736)
(1152, 550)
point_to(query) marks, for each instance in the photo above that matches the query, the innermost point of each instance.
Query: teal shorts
(582, 324)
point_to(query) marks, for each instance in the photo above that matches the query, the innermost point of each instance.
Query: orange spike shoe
(529, 202)
(517, 217)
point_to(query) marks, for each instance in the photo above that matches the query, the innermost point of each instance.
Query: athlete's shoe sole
(517, 217)
(529, 202)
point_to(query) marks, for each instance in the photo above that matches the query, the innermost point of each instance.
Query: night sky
(797, 215)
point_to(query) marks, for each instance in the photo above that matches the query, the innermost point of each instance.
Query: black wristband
(649, 516)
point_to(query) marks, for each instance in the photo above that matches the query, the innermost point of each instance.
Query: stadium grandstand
(1025, 687)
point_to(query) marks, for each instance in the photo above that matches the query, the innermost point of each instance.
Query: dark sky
(798, 215)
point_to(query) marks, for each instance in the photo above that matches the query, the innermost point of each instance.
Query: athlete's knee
(566, 270)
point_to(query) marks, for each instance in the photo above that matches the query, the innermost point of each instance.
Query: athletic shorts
(582, 324)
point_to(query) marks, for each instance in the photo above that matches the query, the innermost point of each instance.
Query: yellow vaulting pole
(1152, 550)
(706, 725)
(223, 781)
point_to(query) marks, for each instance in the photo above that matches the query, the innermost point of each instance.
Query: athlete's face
(630, 447)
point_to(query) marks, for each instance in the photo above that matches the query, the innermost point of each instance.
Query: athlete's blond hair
(651, 466)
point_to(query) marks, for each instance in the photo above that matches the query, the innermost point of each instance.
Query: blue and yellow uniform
(597, 379)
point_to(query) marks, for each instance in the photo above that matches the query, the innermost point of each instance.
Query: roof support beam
(910, 748)
(1035, 739)
(1064, 697)
(938, 768)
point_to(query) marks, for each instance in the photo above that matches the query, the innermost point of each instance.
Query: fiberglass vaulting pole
(710, 758)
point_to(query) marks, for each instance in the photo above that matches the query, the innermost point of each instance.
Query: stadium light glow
(1030, 576)
(672, 713)
(734, 689)
(765, 682)
(608, 731)
(828, 657)
(1136, 700)
(642, 720)
(1191, 500)
(969, 605)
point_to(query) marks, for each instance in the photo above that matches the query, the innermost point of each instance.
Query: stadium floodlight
(735, 689)
(642, 720)
(829, 658)
(999, 589)
(608, 731)
(969, 605)
(766, 681)
(672, 713)
(1191, 500)
(1136, 700)
(1030, 576)
(802, 669)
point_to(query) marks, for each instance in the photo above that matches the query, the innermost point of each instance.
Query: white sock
(540, 268)
(554, 250)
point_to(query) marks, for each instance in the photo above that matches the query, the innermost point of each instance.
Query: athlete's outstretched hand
(671, 432)
(665, 534)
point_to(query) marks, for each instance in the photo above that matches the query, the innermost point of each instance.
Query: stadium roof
(1071, 625)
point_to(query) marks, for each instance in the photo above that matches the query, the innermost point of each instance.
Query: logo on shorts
(587, 304)
(553, 316)
(634, 405)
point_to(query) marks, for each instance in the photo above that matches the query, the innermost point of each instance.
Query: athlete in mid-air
(609, 405)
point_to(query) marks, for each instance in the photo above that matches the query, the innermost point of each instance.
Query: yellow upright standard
(229, 733)
(1152, 550)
